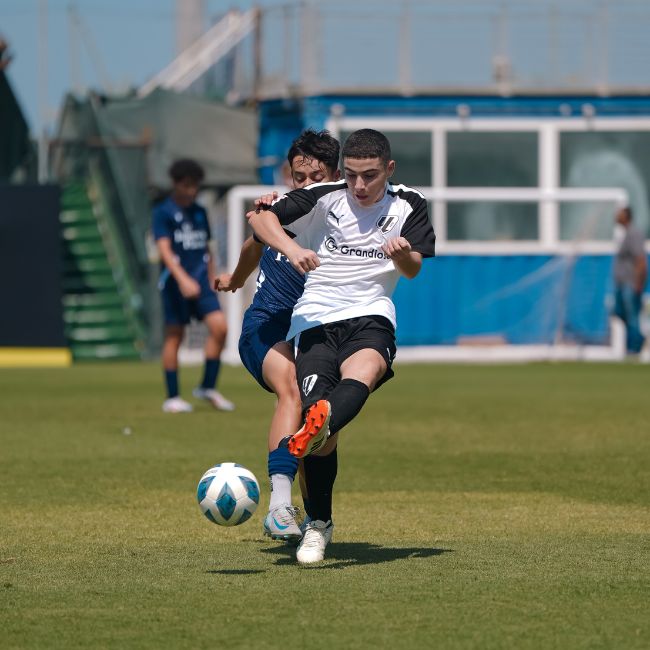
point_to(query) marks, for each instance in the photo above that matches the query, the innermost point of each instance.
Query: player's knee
(173, 337)
(287, 392)
(217, 324)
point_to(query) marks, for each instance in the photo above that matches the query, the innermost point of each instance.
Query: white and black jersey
(355, 277)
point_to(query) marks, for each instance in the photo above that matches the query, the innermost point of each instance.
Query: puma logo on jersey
(386, 222)
(308, 383)
(337, 219)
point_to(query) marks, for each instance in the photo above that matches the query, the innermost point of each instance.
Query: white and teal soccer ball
(228, 494)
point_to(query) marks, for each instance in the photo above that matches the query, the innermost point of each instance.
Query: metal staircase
(98, 321)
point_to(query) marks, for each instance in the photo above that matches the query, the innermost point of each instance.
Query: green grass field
(476, 507)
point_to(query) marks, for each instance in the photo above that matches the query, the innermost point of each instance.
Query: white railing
(203, 53)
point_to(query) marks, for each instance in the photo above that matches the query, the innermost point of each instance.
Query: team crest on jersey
(386, 222)
(308, 383)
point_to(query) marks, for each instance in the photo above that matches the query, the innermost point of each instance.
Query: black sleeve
(417, 228)
(298, 203)
(294, 205)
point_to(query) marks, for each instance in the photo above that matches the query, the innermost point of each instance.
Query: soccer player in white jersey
(353, 239)
(313, 158)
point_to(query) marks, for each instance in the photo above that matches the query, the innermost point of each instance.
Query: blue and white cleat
(281, 523)
(318, 534)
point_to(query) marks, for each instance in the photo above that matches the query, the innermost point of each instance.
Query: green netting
(120, 149)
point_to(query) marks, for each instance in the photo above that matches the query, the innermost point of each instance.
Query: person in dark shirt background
(182, 233)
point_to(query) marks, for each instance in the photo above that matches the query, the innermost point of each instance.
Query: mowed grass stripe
(476, 507)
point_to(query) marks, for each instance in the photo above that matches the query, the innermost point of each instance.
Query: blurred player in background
(182, 233)
(354, 238)
(630, 276)
(312, 158)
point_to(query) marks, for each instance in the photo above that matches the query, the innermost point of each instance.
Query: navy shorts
(322, 350)
(260, 332)
(178, 310)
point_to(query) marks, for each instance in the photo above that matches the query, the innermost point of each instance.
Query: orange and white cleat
(314, 432)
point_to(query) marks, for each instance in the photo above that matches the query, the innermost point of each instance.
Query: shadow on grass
(347, 554)
(236, 572)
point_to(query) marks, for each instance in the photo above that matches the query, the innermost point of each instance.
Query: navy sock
(346, 400)
(171, 382)
(282, 462)
(211, 373)
(320, 474)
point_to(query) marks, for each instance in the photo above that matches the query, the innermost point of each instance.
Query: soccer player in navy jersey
(313, 158)
(353, 239)
(182, 233)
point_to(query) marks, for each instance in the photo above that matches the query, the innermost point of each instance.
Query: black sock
(346, 400)
(320, 474)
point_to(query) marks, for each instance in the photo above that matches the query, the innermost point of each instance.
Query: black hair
(186, 168)
(627, 211)
(316, 145)
(367, 143)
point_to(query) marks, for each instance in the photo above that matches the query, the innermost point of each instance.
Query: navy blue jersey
(279, 285)
(189, 233)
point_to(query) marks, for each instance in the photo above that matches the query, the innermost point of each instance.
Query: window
(604, 159)
(486, 159)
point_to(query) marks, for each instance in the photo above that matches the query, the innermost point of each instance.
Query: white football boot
(215, 398)
(318, 535)
(177, 405)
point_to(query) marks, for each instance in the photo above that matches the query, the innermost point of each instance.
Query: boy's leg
(215, 322)
(279, 374)
(217, 326)
(173, 339)
(171, 345)
(364, 348)
(317, 374)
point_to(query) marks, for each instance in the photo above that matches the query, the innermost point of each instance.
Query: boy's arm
(267, 227)
(415, 241)
(407, 261)
(188, 286)
(249, 259)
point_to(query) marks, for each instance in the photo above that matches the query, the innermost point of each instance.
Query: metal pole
(42, 91)
(405, 81)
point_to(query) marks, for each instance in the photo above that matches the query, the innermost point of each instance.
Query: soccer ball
(228, 494)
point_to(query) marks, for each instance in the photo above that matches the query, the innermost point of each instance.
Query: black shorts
(322, 350)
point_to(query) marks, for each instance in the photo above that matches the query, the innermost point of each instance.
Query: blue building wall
(525, 299)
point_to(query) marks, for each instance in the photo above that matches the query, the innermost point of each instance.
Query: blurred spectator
(630, 275)
(182, 233)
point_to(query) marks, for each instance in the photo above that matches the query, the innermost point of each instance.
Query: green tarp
(222, 139)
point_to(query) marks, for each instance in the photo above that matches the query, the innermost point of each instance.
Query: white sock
(280, 490)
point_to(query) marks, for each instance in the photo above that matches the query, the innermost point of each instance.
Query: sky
(125, 42)
(120, 44)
